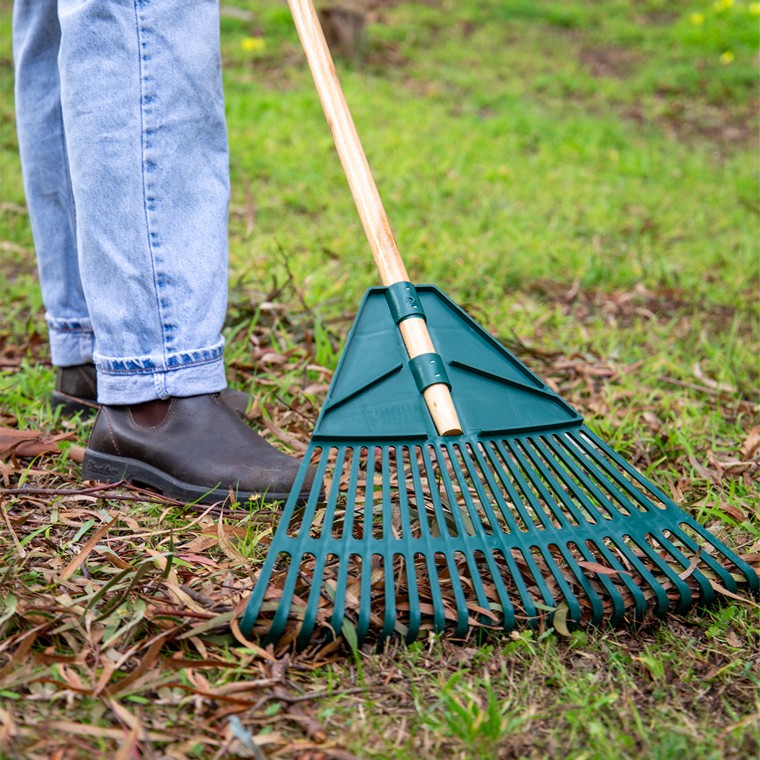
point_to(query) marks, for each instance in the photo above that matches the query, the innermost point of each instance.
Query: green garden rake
(453, 488)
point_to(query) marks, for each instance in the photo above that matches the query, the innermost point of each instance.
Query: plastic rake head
(526, 519)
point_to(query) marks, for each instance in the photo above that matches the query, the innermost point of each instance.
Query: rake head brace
(526, 516)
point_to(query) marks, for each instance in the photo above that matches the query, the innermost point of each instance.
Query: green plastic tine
(336, 621)
(552, 459)
(533, 471)
(621, 464)
(448, 550)
(389, 619)
(623, 575)
(331, 504)
(547, 470)
(618, 604)
(639, 601)
(477, 470)
(475, 476)
(695, 574)
(341, 585)
(583, 580)
(271, 560)
(526, 447)
(547, 597)
(257, 597)
(685, 596)
(574, 607)
(562, 450)
(495, 573)
(439, 618)
(462, 532)
(307, 520)
(288, 589)
(663, 603)
(403, 495)
(556, 477)
(365, 593)
(708, 593)
(522, 537)
(515, 534)
(388, 540)
(369, 494)
(610, 486)
(303, 544)
(613, 472)
(610, 480)
(725, 576)
(312, 601)
(415, 618)
(527, 494)
(455, 454)
(352, 491)
(739, 564)
(365, 598)
(451, 497)
(531, 611)
(490, 448)
(574, 612)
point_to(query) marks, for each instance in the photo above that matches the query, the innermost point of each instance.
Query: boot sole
(106, 468)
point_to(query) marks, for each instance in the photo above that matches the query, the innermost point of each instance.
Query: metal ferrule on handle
(391, 267)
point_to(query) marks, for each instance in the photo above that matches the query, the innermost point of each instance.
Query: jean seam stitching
(148, 229)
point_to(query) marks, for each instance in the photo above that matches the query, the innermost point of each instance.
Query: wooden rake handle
(391, 267)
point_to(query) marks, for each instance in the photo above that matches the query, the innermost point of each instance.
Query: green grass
(583, 179)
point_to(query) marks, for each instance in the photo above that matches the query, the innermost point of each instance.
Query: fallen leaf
(595, 567)
(29, 443)
(751, 443)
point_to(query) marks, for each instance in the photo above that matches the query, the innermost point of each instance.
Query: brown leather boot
(193, 449)
(76, 391)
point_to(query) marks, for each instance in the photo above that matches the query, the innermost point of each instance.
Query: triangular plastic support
(374, 394)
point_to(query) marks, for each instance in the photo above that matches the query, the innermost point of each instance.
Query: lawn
(582, 178)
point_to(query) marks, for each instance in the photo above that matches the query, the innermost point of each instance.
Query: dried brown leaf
(751, 443)
(75, 563)
(29, 443)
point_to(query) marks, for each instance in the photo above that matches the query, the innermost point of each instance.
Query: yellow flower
(754, 9)
(253, 44)
(697, 18)
(726, 58)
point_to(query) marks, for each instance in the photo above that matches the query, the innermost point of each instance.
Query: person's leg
(42, 147)
(142, 102)
(145, 131)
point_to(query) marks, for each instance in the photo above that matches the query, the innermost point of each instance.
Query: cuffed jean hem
(71, 341)
(135, 381)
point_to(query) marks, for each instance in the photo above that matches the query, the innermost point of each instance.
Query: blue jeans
(123, 143)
